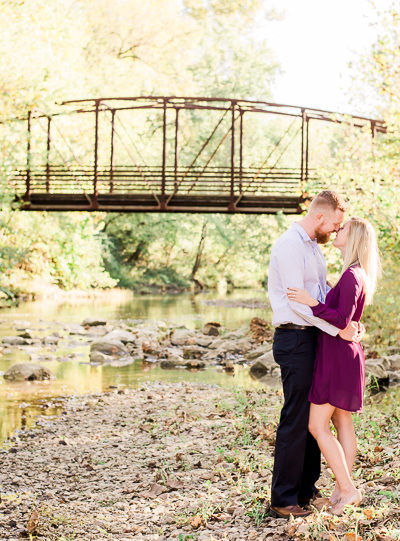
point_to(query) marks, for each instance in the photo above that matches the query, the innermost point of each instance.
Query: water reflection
(21, 402)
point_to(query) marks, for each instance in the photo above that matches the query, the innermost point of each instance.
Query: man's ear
(319, 217)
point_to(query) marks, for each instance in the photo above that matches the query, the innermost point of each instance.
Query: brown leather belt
(294, 326)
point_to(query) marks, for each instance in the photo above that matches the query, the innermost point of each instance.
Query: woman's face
(342, 235)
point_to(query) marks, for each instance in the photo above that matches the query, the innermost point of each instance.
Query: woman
(339, 373)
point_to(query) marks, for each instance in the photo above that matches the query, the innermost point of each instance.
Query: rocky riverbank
(181, 462)
(120, 343)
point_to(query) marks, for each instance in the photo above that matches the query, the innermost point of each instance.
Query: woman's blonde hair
(362, 250)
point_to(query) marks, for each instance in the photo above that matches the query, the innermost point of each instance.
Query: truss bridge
(168, 154)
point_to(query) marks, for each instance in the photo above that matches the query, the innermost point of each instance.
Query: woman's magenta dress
(339, 370)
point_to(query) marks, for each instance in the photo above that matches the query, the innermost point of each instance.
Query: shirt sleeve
(350, 290)
(291, 272)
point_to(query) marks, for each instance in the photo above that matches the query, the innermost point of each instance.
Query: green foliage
(162, 249)
(366, 171)
(55, 249)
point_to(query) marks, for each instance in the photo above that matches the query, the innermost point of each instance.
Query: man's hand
(354, 332)
(361, 331)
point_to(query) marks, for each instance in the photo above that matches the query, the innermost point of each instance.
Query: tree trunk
(199, 253)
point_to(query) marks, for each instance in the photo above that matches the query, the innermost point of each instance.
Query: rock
(229, 367)
(28, 372)
(260, 329)
(377, 367)
(234, 346)
(194, 363)
(212, 328)
(193, 352)
(106, 351)
(26, 334)
(263, 365)
(183, 337)
(173, 361)
(394, 361)
(151, 348)
(99, 357)
(123, 361)
(122, 336)
(75, 329)
(93, 322)
(204, 341)
(14, 341)
(258, 352)
(52, 339)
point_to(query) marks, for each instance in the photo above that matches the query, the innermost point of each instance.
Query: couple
(316, 344)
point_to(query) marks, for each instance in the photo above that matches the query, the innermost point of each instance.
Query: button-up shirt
(297, 261)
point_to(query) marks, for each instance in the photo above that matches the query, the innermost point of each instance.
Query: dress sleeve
(350, 289)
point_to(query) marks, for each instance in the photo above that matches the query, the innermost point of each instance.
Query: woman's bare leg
(343, 422)
(320, 416)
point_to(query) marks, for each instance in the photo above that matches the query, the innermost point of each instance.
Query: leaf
(351, 536)
(368, 513)
(196, 521)
(174, 484)
(154, 490)
(33, 522)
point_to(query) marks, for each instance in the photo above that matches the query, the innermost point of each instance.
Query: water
(21, 402)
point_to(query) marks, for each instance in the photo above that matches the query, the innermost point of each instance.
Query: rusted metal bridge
(219, 170)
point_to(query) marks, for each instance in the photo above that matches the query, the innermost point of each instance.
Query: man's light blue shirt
(297, 261)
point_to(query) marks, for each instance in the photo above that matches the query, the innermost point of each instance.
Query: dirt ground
(181, 461)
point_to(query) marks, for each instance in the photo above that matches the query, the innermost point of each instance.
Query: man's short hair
(328, 198)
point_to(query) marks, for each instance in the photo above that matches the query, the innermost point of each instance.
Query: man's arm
(290, 262)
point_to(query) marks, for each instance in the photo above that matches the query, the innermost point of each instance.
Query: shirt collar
(303, 234)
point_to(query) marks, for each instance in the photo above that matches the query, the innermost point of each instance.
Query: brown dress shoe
(285, 512)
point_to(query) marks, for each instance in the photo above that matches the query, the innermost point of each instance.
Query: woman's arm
(301, 295)
(350, 289)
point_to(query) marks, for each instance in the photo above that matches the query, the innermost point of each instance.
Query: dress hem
(335, 406)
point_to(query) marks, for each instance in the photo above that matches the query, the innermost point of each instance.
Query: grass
(378, 432)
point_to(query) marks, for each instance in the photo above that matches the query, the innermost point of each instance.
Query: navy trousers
(297, 462)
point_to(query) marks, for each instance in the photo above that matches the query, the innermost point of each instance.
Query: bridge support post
(28, 159)
(231, 206)
(176, 149)
(304, 149)
(112, 151)
(163, 205)
(48, 155)
(307, 146)
(241, 152)
(96, 148)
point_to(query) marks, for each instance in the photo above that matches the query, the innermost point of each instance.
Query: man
(297, 261)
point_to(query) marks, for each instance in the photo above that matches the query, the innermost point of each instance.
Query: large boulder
(28, 372)
(104, 351)
(264, 365)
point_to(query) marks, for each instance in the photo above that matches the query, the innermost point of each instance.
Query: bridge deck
(144, 188)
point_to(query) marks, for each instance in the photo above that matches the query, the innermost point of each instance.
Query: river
(21, 403)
